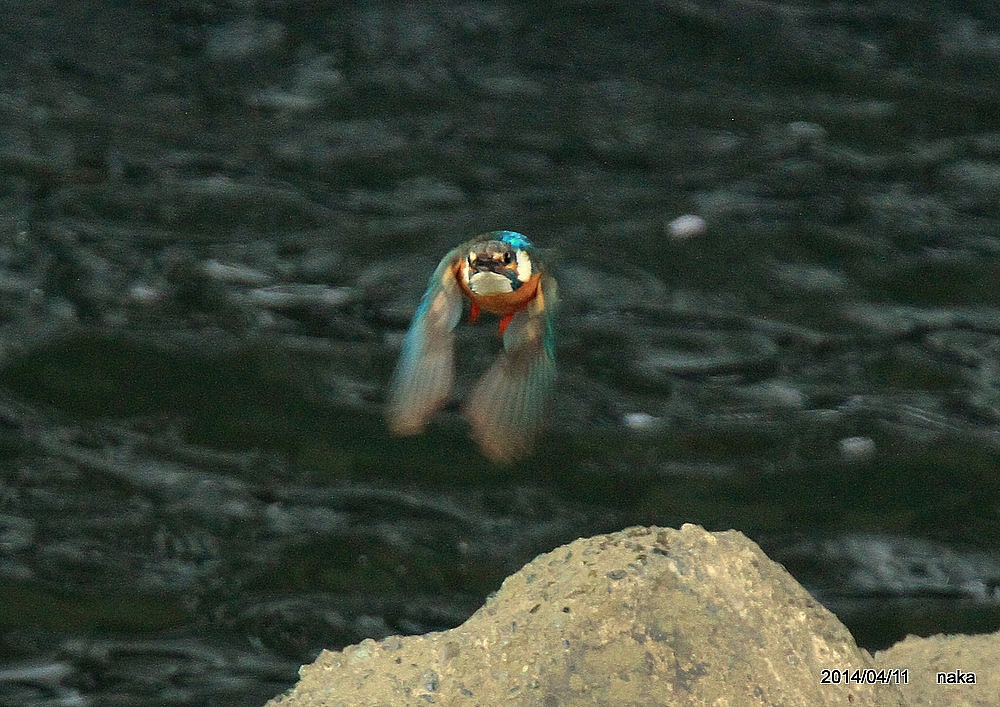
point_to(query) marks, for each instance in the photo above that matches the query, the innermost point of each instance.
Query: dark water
(216, 221)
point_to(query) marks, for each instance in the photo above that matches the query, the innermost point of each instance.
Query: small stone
(145, 294)
(686, 226)
(641, 421)
(857, 448)
(430, 681)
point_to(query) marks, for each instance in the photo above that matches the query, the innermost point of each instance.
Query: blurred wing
(426, 370)
(506, 407)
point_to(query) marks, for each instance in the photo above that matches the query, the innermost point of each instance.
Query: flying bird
(499, 273)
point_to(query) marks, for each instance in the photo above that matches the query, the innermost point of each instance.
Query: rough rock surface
(644, 616)
(951, 655)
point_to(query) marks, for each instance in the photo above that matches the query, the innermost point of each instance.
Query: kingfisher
(496, 272)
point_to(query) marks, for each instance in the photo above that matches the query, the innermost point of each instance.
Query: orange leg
(473, 312)
(504, 321)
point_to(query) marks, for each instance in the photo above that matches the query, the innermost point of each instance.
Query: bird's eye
(507, 257)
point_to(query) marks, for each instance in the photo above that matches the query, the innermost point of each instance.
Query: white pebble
(144, 294)
(686, 226)
(857, 448)
(641, 421)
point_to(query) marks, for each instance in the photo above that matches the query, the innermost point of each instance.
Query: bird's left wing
(506, 407)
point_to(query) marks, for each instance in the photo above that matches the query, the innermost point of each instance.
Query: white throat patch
(523, 266)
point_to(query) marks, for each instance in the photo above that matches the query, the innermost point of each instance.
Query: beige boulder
(941, 667)
(644, 616)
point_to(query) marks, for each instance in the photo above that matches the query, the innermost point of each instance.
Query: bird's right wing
(426, 369)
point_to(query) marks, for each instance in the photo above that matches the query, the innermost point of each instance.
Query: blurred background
(776, 230)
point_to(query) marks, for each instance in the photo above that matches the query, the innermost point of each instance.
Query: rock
(686, 226)
(645, 616)
(959, 660)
